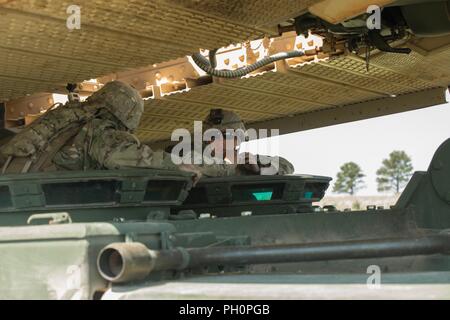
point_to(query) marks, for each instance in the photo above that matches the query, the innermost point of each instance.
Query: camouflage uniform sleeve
(213, 169)
(275, 166)
(218, 170)
(114, 149)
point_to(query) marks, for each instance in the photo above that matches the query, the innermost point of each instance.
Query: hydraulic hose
(210, 69)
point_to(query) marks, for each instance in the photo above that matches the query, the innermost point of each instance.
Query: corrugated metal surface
(310, 87)
(38, 53)
(36, 45)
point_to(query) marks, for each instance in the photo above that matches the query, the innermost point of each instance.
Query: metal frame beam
(355, 112)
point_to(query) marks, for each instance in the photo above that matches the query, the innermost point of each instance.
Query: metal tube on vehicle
(122, 262)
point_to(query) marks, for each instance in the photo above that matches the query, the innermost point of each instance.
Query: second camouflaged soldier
(222, 120)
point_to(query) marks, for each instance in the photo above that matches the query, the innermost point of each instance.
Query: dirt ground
(359, 202)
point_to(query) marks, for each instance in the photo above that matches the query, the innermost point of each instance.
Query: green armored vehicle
(145, 234)
(288, 65)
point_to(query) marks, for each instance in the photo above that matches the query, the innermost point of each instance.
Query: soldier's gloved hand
(251, 163)
(192, 169)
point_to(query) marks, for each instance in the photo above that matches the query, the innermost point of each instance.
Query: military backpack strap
(17, 165)
(45, 157)
(6, 164)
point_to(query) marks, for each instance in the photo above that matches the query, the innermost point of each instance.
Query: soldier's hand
(192, 169)
(251, 163)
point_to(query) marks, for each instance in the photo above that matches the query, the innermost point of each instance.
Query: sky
(322, 151)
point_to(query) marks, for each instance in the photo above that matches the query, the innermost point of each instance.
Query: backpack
(28, 150)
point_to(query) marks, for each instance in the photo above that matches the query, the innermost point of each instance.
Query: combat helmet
(122, 100)
(223, 119)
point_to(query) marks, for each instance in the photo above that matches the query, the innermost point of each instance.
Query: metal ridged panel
(89, 43)
(355, 65)
(433, 67)
(306, 89)
(114, 36)
(196, 109)
(223, 96)
(253, 13)
(352, 71)
(310, 87)
(144, 31)
(9, 87)
(147, 19)
(39, 67)
(38, 52)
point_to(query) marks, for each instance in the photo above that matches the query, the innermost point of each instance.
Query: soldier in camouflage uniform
(222, 120)
(95, 134)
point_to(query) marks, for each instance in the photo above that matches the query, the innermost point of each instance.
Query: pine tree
(349, 179)
(395, 172)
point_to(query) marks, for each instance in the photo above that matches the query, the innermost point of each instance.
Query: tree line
(392, 176)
